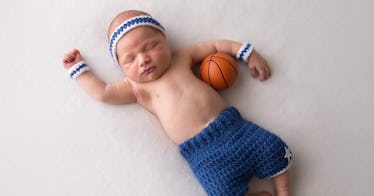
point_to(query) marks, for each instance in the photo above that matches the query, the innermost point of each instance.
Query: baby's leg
(282, 184)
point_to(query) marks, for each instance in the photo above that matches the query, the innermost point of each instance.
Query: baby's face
(144, 54)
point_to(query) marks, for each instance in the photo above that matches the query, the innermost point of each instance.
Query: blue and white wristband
(244, 52)
(78, 69)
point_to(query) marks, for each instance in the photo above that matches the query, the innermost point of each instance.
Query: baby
(224, 150)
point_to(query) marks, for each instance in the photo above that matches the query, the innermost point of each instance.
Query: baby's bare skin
(183, 103)
(164, 83)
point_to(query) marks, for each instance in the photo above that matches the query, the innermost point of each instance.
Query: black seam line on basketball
(231, 65)
(223, 76)
(210, 82)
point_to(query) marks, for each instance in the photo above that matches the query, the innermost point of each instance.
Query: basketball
(219, 70)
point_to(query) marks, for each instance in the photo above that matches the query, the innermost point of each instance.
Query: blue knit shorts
(225, 155)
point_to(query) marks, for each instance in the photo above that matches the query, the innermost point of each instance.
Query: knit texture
(225, 155)
(128, 25)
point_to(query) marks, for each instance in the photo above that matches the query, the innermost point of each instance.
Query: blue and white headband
(128, 25)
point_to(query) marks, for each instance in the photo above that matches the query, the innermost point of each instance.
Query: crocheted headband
(128, 25)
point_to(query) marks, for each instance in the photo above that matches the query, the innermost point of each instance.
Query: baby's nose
(144, 59)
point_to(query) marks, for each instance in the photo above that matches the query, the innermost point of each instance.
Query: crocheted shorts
(225, 155)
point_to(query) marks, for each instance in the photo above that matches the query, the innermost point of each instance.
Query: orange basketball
(219, 70)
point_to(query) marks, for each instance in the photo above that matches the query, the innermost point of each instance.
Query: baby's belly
(187, 115)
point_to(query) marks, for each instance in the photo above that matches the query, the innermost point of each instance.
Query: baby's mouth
(148, 70)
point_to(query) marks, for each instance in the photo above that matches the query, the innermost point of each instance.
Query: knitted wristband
(244, 52)
(76, 70)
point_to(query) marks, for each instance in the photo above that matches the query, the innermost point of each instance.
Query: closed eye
(128, 59)
(151, 45)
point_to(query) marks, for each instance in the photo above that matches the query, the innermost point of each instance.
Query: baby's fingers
(68, 58)
(253, 71)
(262, 73)
(71, 58)
(76, 53)
(268, 72)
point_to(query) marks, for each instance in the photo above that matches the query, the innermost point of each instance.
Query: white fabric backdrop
(56, 140)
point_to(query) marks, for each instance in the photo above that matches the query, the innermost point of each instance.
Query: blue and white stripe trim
(76, 70)
(128, 25)
(244, 52)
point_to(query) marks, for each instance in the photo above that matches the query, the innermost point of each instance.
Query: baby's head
(137, 42)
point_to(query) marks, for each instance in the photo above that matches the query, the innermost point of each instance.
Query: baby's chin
(154, 75)
(144, 79)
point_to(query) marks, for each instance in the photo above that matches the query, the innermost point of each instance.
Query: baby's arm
(256, 63)
(116, 93)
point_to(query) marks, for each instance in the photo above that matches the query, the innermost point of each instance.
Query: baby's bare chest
(174, 86)
(181, 101)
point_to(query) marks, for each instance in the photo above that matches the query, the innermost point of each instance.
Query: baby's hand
(71, 58)
(258, 66)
